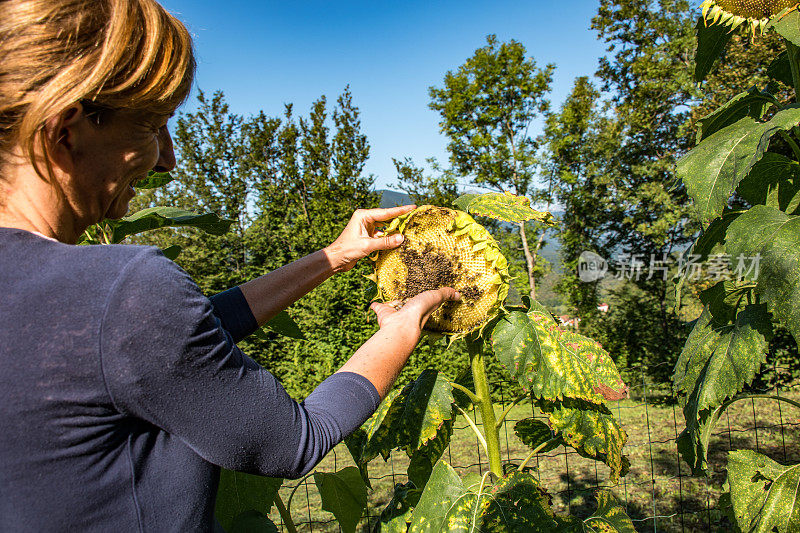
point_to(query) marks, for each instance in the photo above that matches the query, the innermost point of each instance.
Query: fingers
(384, 242)
(428, 301)
(381, 215)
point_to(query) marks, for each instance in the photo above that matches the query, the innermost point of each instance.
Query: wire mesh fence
(659, 493)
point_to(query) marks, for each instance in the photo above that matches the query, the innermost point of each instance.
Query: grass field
(659, 492)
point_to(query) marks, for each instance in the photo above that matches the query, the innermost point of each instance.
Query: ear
(62, 136)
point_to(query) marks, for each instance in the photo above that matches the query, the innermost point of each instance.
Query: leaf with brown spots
(552, 363)
(591, 430)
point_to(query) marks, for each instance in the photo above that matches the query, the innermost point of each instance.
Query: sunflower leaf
(711, 41)
(764, 494)
(553, 363)
(610, 516)
(162, 217)
(344, 494)
(713, 169)
(591, 430)
(770, 240)
(503, 206)
(752, 103)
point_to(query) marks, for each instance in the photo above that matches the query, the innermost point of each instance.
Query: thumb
(384, 242)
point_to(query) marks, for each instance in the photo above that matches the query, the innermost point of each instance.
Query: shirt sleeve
(234, 313)
(167, 360)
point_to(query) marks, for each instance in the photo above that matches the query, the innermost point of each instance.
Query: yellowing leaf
(503, 206)
(591, 430)
(552, 363)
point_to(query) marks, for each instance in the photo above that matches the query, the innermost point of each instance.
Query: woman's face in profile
(115, 155)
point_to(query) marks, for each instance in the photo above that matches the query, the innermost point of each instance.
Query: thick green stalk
(490, 430)
(285, 516)
(794, 62)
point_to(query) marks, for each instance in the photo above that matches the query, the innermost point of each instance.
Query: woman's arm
(272, 293)
(383, 356)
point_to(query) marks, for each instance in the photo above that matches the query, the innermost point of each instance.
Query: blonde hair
(116, 54)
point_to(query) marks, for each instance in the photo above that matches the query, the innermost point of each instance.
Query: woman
(123, 389)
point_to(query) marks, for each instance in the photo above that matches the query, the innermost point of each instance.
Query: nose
(166, 153)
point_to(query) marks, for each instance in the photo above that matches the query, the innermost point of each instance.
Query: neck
(32, 204)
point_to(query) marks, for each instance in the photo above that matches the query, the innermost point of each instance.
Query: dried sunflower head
(444, 248)
(734, 13)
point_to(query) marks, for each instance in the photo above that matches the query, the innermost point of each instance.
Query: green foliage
(711, 41)
(282, 324)
(161, 217)
(252, 522)
(239, 492)
(763, 493)
(773, 236)
(571, 377)
(741, 171)
(591, 430)
(344, 494)
(712, 171)
(535, 433)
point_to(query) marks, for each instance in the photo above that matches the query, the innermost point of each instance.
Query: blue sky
(264, 54)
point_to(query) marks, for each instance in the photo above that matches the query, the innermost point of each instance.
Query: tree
(487, 107)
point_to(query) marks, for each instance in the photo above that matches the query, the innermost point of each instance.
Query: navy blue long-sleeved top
(122, 392)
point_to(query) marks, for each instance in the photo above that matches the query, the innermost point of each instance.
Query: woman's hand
(361, 237)
(416, 311)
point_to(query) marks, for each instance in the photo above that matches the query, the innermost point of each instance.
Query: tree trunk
(530, 259)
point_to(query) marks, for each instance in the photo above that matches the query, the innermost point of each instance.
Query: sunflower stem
(792, 144)
(490, 429)
(794, 62)
(285, 516)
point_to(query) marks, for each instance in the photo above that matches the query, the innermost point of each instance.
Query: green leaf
(780, 69)
(534, 433)
(161, 217)
(713, 169)
(252, 522)
(787, 24)
(774, 182)
(172, 252)
(154, 180)
(609, 517)
(518, 503)
(344, 494)
(425, 458)
(282, 324)
(711, 41)
(397, 514)
(591, 430)
(764, 494)
(443, 489)
(239, 492)
(710, 241)
(428, 405)
(751, 103)
(411, 419)
(717, 361)
(552, 363)
(502, 206)
(774, 238)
